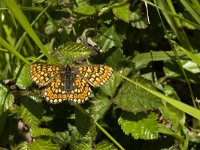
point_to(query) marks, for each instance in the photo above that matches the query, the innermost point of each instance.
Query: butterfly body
(69, 77)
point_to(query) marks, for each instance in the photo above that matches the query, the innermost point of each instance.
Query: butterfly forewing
(95, 75)
(42, 74)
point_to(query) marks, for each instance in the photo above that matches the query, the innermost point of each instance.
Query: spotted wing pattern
(96, 75)
(42, 74)
(56, 91)
(70, 83)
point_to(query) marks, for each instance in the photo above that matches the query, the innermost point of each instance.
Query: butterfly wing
(96, 75)
(66, 84)
(43, 74)
(56, 91)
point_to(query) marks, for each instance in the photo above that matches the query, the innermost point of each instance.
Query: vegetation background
(151, 100)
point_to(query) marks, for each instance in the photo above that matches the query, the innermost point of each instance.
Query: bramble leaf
(109, 38)
(70, 51)
(137, 20)
(85, 10)
(43, 144)
(139, 126)
(7, 99)
(134, 99)
(37, 131)
(30, 111)
(100, 106)
(122, 12)
(24, 80)
(105, 145)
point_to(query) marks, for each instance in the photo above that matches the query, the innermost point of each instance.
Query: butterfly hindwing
(57, 92)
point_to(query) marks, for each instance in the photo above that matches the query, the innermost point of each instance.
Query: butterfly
(70, 83)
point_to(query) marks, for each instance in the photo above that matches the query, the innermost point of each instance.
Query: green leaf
(181, 106)
(137, 20)
(122, 12)
(141, 126)
(6, 100)
(30, 111)
(47, 118)
(172, 70)
(86, 129)
(70, 137)
(105, 145)
(170, 91)
(190, 66)
(192, 56)
(116, 59)
(82, 141)
(167, 129)
(143, 59)
(74, 134)
(82, 122)
(43, 145)
(134, 99)
(100, 107)
(8, 125)
(23, 146)
(109, 38)
(174, 115)
(37, 131)
(85, 10)
(24, 80)
(70, 51)
(112, 85)
(163, 129)
(62, 138)
(82, 146)
(50, 27)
